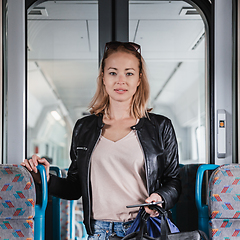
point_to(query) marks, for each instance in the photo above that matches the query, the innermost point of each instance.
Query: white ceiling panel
(65, 45)
(68, 10)
(93, 36)
(189, 73)
(158, 73)
(158, 10)
(168, 35)
(59, 40)
(133, 27)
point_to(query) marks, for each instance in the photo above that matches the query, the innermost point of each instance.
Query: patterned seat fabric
(224, 202)
(17, 200)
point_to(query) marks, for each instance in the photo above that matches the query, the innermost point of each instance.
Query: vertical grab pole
(56, 209)
(39, 220)
(72, 219)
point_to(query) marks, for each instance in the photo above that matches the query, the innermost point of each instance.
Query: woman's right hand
(31, 166)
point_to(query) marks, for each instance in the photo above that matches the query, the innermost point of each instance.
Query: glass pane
(172, 37)
(62, 70)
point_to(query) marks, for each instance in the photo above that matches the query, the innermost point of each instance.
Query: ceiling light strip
(167, 81)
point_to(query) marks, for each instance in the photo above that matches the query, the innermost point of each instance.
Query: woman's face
(121, 76)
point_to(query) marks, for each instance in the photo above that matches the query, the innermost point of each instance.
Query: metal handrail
(56, 208)
(203, 217)
(39, 219)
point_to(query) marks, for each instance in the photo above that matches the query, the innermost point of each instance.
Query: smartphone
(144, 204)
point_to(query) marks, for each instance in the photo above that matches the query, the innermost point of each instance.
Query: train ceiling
(63, 53)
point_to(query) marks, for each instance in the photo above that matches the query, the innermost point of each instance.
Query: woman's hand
(31, 166)
(154, 197)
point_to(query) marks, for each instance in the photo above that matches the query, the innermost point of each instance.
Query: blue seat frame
(39, 219)
(72, 220)
(56, 208)
(72, 217)
(203, 216)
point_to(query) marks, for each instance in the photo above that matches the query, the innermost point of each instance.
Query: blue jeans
(102, 230)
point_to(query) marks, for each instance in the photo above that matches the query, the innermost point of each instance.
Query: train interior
(63, 69)
(63, 50)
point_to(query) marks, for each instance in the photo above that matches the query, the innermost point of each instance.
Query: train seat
(203, 217)
(186, 204)
(18, 213)
(65, 214)
(224, 202)
(17, 199)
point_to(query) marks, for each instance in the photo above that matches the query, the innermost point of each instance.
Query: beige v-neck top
(118, 178)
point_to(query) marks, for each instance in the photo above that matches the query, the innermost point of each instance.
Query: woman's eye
(129, 74)
(112, 73)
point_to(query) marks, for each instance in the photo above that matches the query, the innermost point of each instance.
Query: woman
(121, 154)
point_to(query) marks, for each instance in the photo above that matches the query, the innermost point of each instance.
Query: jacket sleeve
(70, 187)
(170, 189)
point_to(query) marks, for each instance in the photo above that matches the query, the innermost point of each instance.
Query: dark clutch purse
(164, 229)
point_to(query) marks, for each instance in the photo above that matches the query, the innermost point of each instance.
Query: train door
(64, 40)
(1, 48)
(63, 61)
(173, 39)
(62, 70)
(237, 78)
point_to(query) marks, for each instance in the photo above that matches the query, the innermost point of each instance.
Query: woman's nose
(121, 80)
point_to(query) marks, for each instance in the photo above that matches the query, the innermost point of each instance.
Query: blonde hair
(100, 101)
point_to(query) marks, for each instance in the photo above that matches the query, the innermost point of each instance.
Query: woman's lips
(120, 90)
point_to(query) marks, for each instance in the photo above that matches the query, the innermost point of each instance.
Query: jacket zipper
(145, 162)
(89, 203)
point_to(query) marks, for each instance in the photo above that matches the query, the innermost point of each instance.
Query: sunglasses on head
(128, 45)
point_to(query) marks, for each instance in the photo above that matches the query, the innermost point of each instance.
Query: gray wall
(223, 71)
(15, 93)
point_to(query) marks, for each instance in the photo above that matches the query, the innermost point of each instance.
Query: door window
(172, 38)
(62, 71)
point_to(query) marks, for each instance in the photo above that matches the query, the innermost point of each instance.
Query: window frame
(114, 30)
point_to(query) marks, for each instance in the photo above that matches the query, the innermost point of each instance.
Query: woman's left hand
(154, 197)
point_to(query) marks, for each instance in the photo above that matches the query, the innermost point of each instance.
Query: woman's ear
(140, 78)
(103, 78)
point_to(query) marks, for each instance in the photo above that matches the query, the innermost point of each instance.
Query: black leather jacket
(158, 141)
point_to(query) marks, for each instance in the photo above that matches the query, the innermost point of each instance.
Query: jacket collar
(139, 124)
